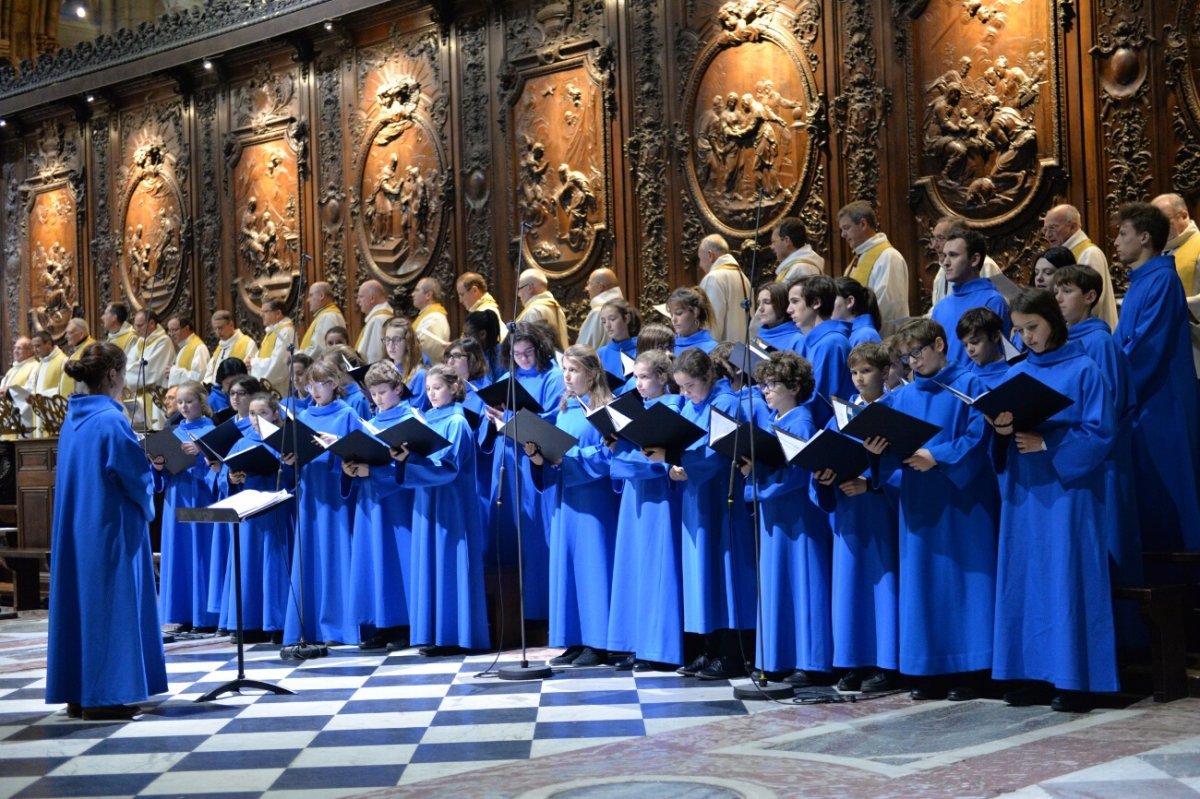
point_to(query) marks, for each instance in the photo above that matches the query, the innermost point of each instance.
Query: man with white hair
(1061, 227)
(473, 295)
(78, 337)
(23, 365)
(601, 287)
(876, 263)
(273, 359)
(432, 324)
(539, 305)
(1184, 247)
(326, 316)
(372, 302)
(192, 361)
(727, 288)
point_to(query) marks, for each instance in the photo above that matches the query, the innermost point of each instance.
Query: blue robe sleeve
(441, 467)
(628, 463)
(1079, 449)
(585, 464)
(952, 455)
(126, 466)
(1145, 338)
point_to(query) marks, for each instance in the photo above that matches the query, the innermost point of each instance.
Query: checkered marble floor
(358, 721)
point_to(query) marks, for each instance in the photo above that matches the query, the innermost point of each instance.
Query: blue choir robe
(105, 641)
(186, 548)
(381, 546)
(220, 560)
(862, 331)
(358, 400)
(990, 374)
(292, 406)
(610, 354)
(718, 562)
(782, 336)
(547, 388)
(1123, 527)
(321, 561)
(865, 585)
(826, 348)
(1054, 615)
(446, 603)
(218, 400)
(977, 293)
(582, 516)
(416, 385)
(794, 563)
(701, 339)
(266, 548)
(646, 609)
(476, 412)
(948, 522)
(1153, 332)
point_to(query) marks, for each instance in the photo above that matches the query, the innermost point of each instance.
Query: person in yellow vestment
(232, 343)
(473, 293)
(78, 337)
(538, 304)
(149, 365)
(432, 324)
(326, 316)
(726, 286)
(47, 376)
(1184, 247)
(372, 302)
(192, 361)
(271, 363)
(876, 263)
(1062, 227)
(116, 326)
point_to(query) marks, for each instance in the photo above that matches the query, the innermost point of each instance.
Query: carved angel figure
(577, 201)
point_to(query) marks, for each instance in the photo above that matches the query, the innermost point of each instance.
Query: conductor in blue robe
(105, 643)
(1153, 332)
(1054, 619)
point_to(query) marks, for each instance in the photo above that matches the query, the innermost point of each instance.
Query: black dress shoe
(396, 646)
(591, 657)
(927, 692)
(881, 681)
(650, 665)
(1072, 702)
(1026, 695)
(851, 681)
(74, 710)
(374, 642)
(805, 679)
(722, 668)
(437, 651)
(567, 657)
(110, 713)
(627, 663)
(962, 693)
(693, 668)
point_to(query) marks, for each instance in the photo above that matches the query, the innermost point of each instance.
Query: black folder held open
(497, 395)
(738, 440)
(827, 449)
(528, 427)
(420, 438)
(659, 427)
(905, 434)
(166, 444)
(1028, 399)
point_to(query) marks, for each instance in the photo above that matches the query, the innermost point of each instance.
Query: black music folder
(738, 440)
(253, 460)
(298, 438)
(747, 358)
(497, 393)
(905, 434)
(611, 418)
(528, 427)
(659, 427)
(1028, 399)
(165, 443)
(217, 442)
(420, 438)
(827, 449)
(359, 446)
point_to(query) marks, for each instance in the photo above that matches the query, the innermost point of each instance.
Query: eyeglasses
(394, 340)
(523, 286)
(529, 353)
(238, 392)
(317, 383)
(907, 357)
(454, 356)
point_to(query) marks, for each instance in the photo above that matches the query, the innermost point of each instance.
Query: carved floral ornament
(1183, 76)
(752, 100)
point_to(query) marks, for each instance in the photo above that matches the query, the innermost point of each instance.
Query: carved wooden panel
(401, 171)
(1183, 76)
(51, 230)
(750, 100)
(985, 99)
(265, 153)
(154, 218)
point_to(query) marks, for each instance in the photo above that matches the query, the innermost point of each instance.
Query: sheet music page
(248, 501)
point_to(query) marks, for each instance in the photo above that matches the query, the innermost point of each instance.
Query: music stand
(230, 516)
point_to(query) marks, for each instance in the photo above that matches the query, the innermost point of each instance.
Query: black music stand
(231, 516)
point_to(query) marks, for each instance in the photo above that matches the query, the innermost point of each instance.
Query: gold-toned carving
(52, 410)
(745, 20)
(54, 268)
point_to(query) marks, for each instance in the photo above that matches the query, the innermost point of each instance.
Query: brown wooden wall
(398, 143)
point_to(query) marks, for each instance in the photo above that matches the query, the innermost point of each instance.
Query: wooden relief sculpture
(987, 102)
(1182, 54)
(266, 155)
(51, 231)
(151, 211)
(559, 151)
(751, 99)
(400, 165)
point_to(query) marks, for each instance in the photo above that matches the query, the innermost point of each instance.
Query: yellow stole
(1078, 249)
(268, 345)
(240, 349)
(67, 386)
(49, 374)
(122, 339)
(306, 342)
(188, 353)
(783, 279)
(385, 312)
(485, 303)
(860, 269)
(1185, 262)
(428, 310)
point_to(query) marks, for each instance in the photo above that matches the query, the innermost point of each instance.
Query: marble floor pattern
(402, 725)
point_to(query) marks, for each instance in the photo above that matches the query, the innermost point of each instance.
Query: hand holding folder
(1028, 399)
(529, 428)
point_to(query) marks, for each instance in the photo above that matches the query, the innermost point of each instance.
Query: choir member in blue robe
(105, 643)
(857, 307)
(343, 359)
(266, 539)
(582, 515)
(652, 337)
(810, 303)
(795, 638)
(186, 547)
(381, 544)
(530, 349)
(320, 572)
(218, 399)
(1153, 332)
(1077, 289)
(718, 534)
(484, 327)
(948, 519)
(646, 609)
(962, 259)
(299, 399)
(980, 332)
(776, 329)
(1054, 621)
(466, 357)
(446, 604)
(865, 613)
(622, 323)
(404, 350)
(691, 314)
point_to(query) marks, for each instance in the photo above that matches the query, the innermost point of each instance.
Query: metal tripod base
(763, 691)
(526, 671)
(236, 686)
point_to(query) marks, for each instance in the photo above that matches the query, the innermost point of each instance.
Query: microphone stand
(523, 670)
(759, 687)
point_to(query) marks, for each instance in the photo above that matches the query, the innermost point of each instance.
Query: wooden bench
(26, 568)
(1164, 607)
